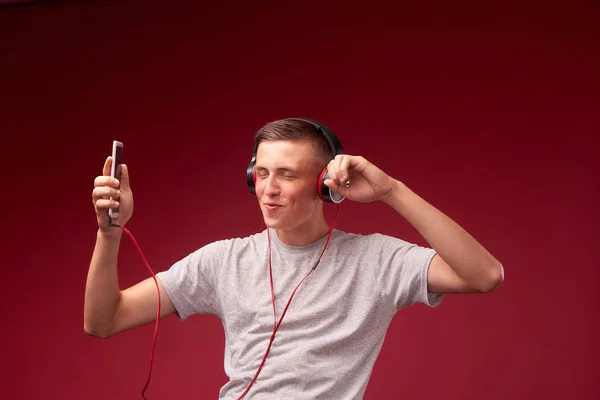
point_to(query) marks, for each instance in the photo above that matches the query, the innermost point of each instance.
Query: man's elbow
(96, 331)
(493, 280)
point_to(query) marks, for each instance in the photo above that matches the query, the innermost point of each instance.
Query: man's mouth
(272, 206)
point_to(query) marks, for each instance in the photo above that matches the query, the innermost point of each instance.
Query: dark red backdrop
(489, 113)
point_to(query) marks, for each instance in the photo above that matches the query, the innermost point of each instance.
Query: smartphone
(115, 172)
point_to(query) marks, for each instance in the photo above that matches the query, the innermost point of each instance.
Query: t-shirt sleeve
(190, 283)
(407, 267)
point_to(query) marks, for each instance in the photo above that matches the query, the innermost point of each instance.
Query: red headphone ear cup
(322, 176)
(254, 175)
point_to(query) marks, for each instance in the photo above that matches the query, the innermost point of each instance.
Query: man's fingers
(105, 181)
(107, 166)
(339, 169)
(103, 192)
(333, 185)
(106, 203)
(124, 177)
(333, 169)
(344, 170)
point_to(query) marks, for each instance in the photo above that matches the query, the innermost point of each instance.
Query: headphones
(325, 193)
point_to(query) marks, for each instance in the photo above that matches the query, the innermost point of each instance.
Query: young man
(346, 287)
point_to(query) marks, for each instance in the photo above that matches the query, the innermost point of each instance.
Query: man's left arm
(461, 265)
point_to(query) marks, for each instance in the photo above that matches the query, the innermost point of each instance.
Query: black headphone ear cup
(251, 176)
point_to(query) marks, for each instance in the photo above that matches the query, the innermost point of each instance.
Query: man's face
(286, 184)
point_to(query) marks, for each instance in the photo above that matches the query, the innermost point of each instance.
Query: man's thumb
(124, 177)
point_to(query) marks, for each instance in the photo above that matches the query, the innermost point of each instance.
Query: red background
(488, 112)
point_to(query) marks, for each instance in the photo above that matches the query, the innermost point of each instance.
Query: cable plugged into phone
(112, 224)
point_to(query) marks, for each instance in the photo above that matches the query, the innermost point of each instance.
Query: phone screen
(115, 171)
(118, 160)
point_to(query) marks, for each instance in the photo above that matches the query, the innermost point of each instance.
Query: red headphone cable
(277, 324)
(157, 308)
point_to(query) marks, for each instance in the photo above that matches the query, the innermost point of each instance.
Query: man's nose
(271, 186)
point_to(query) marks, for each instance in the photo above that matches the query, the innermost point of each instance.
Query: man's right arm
(107, 309)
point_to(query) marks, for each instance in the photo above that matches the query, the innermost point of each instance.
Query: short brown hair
(284, 129)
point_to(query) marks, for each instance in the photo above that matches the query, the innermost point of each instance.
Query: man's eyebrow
(280, 169)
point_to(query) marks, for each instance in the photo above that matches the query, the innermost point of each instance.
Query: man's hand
(367, 182)
(106, 187)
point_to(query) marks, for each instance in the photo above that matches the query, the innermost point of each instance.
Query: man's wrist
(109, 233)
(395, 194)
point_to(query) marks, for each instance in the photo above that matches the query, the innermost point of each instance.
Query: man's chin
(274, 224)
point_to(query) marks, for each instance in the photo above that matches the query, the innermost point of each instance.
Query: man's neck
(303, 237)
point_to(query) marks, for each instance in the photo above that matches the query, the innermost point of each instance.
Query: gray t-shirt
(334, 328)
